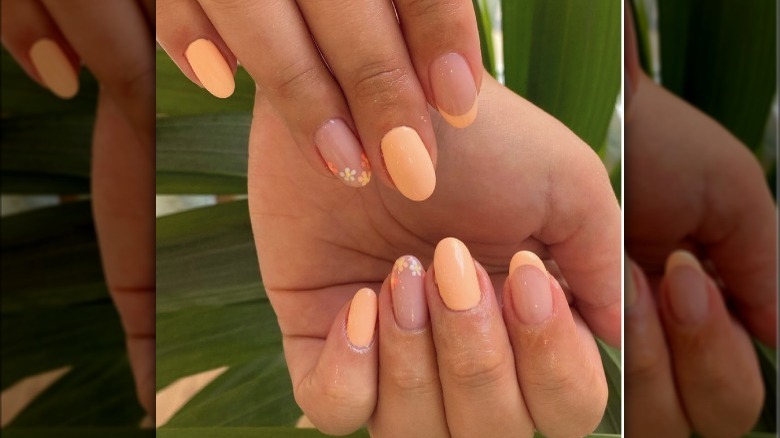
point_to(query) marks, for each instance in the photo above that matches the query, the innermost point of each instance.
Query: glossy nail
(54, 68)
(454, 89)
(688, 297)
(210, 67)
(531, 292)
(456, 275)
(342, 153)
(408, 163)
(406, 287)
(361, 320)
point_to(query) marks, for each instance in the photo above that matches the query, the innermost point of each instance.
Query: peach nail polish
(210, 67)
(406, 287)
(531, 293)
(54, 68)
(688, 297)
(342, 153)
(361, 320)
(454, 89)
(456, 275)
(408, 163)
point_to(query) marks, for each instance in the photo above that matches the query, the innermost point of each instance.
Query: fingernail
(408, 163)
(211, 68)
(54, 68)
(342, 153)
(630, 280)
(361, 320)
(687, 288)
(456, 275)
(531, 293)
(406, 286)
(454, 89)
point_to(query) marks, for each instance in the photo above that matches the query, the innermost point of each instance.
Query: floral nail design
(348, 174)
(405, 263)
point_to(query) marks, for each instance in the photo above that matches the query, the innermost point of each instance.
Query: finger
(149, 7)
(410, 401)
(335, 380)
(378, 79)
(443, 42)
(557, 361)
(652, 406)
(715, 367)
(37, 44)
(587, 225)
(123, 205)
(115, 42)
(286, 64)
(192, 42)
(739, 230)
(476, 367)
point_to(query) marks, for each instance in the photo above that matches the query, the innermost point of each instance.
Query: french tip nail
(456, 275)
(461, 121)
(526, 258)
(454, 89)
(682, 257)
(54, 68)
(408, 163)
(361, 319)
(211, 68)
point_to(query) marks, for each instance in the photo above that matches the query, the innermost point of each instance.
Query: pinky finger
(37, 44)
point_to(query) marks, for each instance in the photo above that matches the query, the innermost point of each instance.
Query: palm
(500, 187)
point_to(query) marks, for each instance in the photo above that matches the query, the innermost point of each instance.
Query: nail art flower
(400, 264)
(415, 267)
(348, 174)
(364, 177)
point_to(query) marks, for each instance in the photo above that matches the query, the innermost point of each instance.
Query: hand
(516, 179)
(691, 185)
(347, 78)
(49, 39)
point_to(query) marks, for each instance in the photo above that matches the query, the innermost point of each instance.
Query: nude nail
(408, 163)
(342, 153)
(456, 275)
(210, 67)
(531, 292)
(688, 297)
(361, 320)
(406, 287)
(454, 89)
(54, 68)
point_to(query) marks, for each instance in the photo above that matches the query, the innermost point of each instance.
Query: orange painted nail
(409, 163)
(361, 320)
(456, 275)
(54, 68)
(531, 293)
(211, 68)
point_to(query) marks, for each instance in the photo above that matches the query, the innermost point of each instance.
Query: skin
(709, 196)
(319, 242)
(113, 39)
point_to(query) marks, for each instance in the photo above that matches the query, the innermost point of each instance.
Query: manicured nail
(210, 67)
(456, 275)
(687, 284)
(342, 153)
(408, 163)
(630, 280)
(531, 293)
(454, 89)
(406, 286)
(361, 320)
(54, 68)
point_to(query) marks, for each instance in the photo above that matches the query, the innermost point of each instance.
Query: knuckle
(410, 381)
(135, 82)
(382, 82)
(480, 370)
(583, 401)
(293, 80)
(645, 366)
(438, 10)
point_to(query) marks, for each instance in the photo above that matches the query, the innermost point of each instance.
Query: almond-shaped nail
(454, 89)
(688, 297)
(456, 275)
(342, 153)
(210, 67)
(406, 287)
(531, 292)
(409, 163)
(54, 68)
(361, 320)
